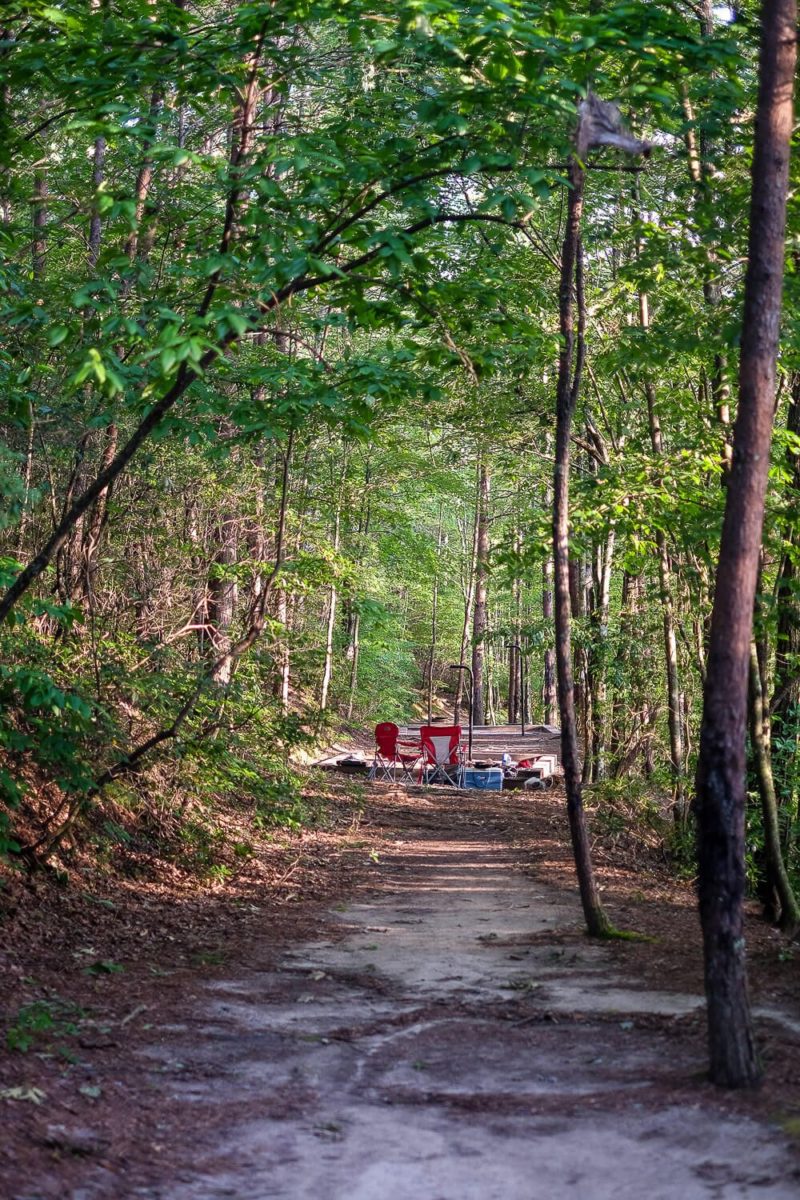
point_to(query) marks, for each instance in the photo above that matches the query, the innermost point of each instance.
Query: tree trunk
(777, 876)
(39, 243)
(222, 595)
(631, 724)
(95, 221)
(600, 606)
(144, 179)
(786, 692)
(514, 653)
(569, 375)
(479, 623)
(701, 173)
(282, 681)
(674, 698)
(96, 523)
(513, 685)
(720, 784)
(549, 697)
(354, 643)
(469, 597)
(354, 651)
(489, 682)
(327, 672)
(434, 618)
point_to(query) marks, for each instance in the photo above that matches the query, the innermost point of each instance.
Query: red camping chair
(441, 751)
(391, 752)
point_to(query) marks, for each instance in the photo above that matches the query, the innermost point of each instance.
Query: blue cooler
(489, 779)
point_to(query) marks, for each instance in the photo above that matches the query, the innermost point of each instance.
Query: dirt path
(452, 1037)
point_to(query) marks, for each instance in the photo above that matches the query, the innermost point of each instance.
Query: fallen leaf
(35, 1095)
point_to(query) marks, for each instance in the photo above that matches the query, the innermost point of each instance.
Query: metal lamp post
(464, 667)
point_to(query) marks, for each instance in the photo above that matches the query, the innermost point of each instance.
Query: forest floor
(400, 1006)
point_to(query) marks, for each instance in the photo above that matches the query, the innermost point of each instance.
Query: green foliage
(681, 843)
(621, 805)
(43, 1024)
(361, 300)
(104, 966)
(755, 846)
(46, 722)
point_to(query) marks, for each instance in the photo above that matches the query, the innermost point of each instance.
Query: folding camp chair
(392, 752)
(441, 752)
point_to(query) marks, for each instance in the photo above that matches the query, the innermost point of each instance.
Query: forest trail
(452, 1037)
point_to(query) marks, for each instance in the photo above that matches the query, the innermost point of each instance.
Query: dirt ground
(402, 1005)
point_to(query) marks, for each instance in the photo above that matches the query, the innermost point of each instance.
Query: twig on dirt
(539, 1016)
(287, 874)
(136, 1012)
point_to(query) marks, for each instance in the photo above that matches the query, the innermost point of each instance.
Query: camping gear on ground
(488, 780)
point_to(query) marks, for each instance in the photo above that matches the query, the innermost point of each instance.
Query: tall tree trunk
(434, 617)
(6, 117)
(787, 642)
(570, 366)
(93, 529)
(67, 560)
(786, 692)
(468, 591)
(549, 697)
(354, 642)
(582, 702)
(95, 523)
(39, 243)
(354, 652)
(513, 685)
(222, 595)
(720, 784)
(630, 719)
(283, 680)
(479, 622)
(514, 658)
(514, 652)
(144, 179)
(674, 697)
(603, 560)
(777, 875)
(95, 221)
(702, 172)
(489, 677)
(327, 671)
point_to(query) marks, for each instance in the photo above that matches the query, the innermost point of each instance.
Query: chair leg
(380, 770)
(439, 774)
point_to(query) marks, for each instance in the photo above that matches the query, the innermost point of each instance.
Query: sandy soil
(441, 1031)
